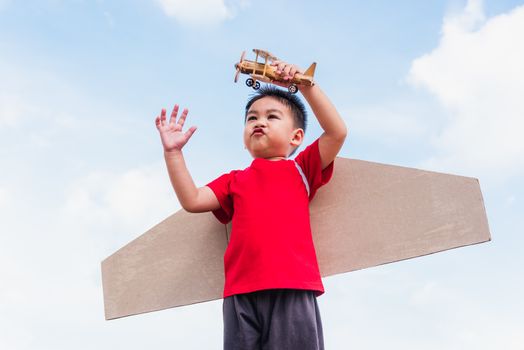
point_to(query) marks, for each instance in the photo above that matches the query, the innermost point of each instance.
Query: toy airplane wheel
(250, 82)
(257, 86)
(292, 89)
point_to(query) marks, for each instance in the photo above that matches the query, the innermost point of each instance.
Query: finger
(174, 113)
(190, 132)
(285, 72)
(293, 70)
(182, 118)
(163, 117)
(280, 66)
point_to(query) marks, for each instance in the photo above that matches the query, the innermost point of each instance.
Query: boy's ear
(297, 137)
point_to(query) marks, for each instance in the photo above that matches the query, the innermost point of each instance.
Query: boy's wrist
(174, 153)
(305, 87)
(307, 90)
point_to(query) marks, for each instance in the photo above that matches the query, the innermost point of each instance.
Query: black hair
(286, 98)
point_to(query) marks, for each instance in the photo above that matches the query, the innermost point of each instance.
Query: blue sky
(433, 85)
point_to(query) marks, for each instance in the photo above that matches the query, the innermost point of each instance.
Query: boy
(271, 272)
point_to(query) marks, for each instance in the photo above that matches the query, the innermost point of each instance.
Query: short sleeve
(220, 187)
(310, 163)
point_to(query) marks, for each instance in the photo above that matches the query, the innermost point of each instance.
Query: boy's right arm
(192, 198)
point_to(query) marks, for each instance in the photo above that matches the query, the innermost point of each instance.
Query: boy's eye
(251, 118)
(272, 116)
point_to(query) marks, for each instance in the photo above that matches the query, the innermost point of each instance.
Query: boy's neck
(274, 158)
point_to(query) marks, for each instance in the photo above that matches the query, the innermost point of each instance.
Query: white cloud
(29, 94)
(418, 304)
(130, 202)
(431, 292)
(476, 73)
(12, 105)
(12, 109)
(201, 12)
(4, 198)
(390, 121)
(50, 264)
(53, 237)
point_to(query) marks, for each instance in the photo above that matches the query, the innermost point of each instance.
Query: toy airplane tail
(311, 70)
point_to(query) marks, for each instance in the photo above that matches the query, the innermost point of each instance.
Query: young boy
(271, 272)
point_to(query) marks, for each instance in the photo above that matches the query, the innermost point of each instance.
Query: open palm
(171, 134)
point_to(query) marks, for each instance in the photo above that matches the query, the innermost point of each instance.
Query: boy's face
(270, 131)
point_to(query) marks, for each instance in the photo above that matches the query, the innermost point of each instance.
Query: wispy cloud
(4, 197)
(29, 94)
(202, 12)
(133, 200)
(390, 121)
(54, 231)
(14, 87)
(476, 73)
(11, 109)
(50, 258)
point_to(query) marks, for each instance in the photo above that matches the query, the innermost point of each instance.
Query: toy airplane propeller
(267, 73)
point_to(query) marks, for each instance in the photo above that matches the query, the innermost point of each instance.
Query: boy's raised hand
(173, 139)
(286, 70)
(335, 130)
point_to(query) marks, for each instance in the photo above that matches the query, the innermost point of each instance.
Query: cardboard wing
(369, 214)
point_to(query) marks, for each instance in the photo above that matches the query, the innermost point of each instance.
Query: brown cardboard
(369, 214)
(373, 214)
(177, 262)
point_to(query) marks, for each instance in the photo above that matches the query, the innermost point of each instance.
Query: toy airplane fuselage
(265, 72)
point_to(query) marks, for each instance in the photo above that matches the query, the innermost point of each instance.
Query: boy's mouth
(258, 131)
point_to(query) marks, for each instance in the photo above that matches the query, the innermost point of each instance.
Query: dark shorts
(273, 319)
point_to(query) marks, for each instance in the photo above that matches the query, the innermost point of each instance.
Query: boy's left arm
(335, 131)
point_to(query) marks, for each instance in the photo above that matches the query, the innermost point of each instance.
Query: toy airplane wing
(368, 214)
(265, 54)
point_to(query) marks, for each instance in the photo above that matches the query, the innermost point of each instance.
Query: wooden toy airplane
(267, 73)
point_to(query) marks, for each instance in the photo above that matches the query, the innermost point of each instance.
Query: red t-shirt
(271, 246)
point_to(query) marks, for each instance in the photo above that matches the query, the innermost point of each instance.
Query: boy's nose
(260, 124)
